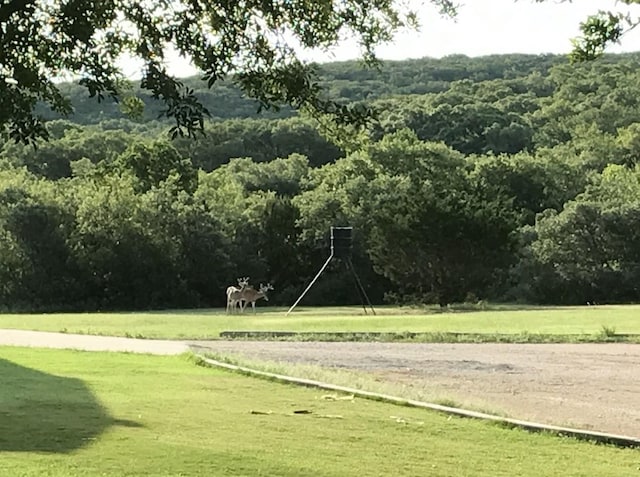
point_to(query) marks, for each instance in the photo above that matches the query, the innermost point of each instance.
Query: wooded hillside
(344, 81)
(508, 177)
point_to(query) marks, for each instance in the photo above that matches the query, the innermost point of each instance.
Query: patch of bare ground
(586, 386)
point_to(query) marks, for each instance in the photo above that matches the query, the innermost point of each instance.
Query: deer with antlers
(234, 294)
(251, 295)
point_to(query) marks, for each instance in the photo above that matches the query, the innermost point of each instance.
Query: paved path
(43, 339)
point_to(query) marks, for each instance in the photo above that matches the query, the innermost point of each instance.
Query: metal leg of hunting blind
(310, 284)
(361, 290)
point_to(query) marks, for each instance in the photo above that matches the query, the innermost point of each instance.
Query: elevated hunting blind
(341, 242)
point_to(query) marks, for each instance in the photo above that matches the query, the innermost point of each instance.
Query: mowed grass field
(70, 413)
(208, 324)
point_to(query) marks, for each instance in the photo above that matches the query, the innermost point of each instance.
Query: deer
(250, 295)
(234, 294)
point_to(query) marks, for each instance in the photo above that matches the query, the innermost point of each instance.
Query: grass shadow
(41, 412)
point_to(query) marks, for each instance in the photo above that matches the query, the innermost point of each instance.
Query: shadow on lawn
(46, 413)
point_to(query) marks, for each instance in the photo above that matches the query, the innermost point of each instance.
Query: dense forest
(502, 178)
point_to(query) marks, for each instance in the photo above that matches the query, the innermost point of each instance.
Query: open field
(207, 324)
(70, 413)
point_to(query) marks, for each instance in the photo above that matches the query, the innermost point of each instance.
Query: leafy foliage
(517, 182)
(600, 30)
(590, 247)
(46, 40)
(251, 43)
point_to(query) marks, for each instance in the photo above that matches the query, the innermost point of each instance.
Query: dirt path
(588, 386)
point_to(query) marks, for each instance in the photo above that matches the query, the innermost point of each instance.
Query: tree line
(345, 81)
(516, 180)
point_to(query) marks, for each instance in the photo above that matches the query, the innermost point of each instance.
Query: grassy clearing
(594, 323)
(68, 414)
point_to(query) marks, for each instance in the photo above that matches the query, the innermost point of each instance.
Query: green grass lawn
(198, 324)
(69, 413)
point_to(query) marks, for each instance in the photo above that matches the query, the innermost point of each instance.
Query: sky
(483, 27)
(486, 27)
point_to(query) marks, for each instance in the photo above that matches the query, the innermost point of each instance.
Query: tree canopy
(253, 42)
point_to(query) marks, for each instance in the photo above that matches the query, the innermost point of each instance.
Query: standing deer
(234, 294)
(250, 295)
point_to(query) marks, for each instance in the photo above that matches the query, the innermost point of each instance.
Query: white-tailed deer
(251, 295)
(234, 294)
